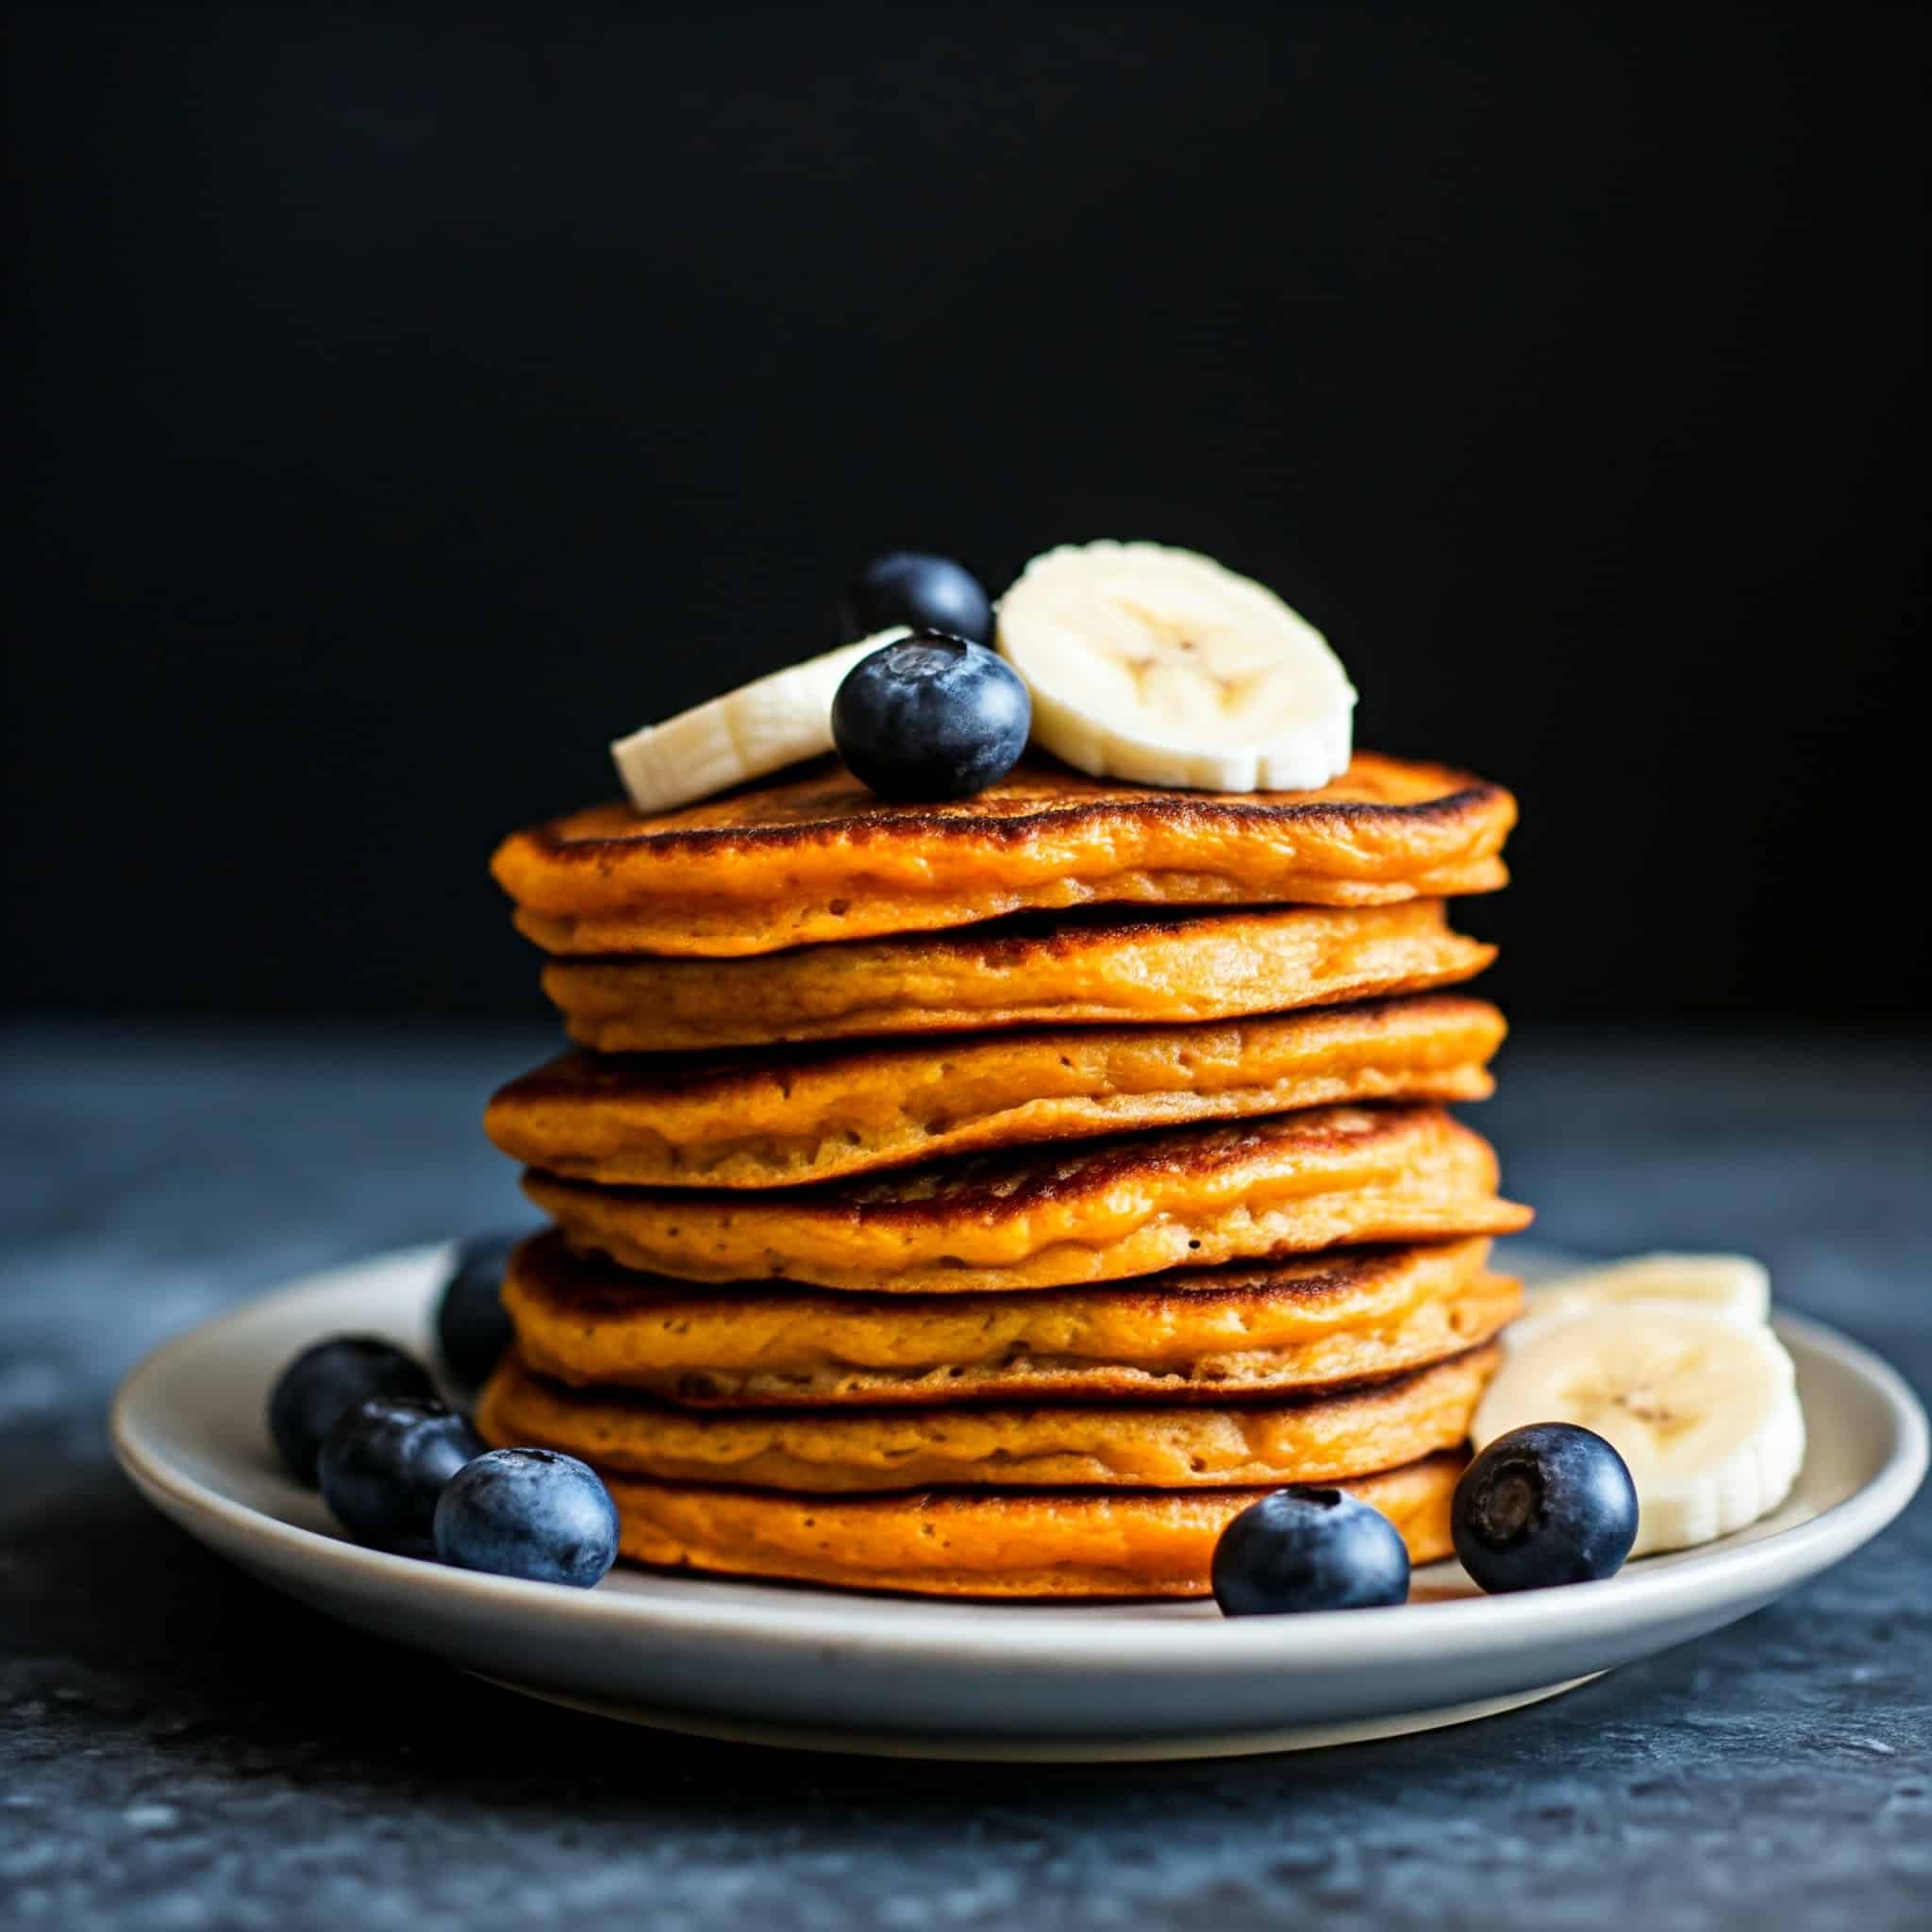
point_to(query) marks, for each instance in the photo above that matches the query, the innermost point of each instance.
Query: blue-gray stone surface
(181, 1748)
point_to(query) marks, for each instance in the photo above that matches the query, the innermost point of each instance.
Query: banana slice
(1159, 666)
(1733, 1286)
(1704, 1411)
(760, 728)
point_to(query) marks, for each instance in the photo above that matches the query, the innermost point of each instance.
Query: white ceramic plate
(821, 1670)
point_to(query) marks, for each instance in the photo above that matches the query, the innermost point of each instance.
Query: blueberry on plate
(921, 591)
(530, 1513)
(386, 1462)
(1308, 1548)
(1547, 1503)
(931, 717)
(472, 1329)
(325, 1382)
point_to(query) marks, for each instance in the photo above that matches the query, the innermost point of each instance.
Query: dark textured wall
(410, 402)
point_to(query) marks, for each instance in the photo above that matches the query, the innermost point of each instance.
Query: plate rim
(1057, 1748)
(810, 1619)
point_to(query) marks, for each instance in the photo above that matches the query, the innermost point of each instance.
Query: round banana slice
(1733, 1286)
(1159, 666)
(759, 728)
(1704, 1411)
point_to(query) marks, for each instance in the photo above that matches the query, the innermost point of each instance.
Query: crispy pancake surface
(770, 1120)
(1081, 970)
(1315, 1439)
(813, 856)
(1014, 1543)
(1320, 1322)
(1095, 1212)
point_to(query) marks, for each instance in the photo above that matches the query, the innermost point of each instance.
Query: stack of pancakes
(994, 1198)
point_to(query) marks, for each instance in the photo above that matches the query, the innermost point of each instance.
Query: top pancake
(813, 856)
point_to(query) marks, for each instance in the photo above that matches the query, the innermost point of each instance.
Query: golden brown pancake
(1092, 1212)
(778, 1118)
(1315, 1439)
(1107, 969)
(812, 855)
(1000, 1543)
(1321, 1322)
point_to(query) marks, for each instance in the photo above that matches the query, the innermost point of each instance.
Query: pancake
(812, 855)
(1324, 1322)
(1108, 969)
(1317, 1439)
(1013, 1543)
(1097, 1211)
(766, 1119)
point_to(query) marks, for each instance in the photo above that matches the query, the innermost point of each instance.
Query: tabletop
(180, 1747)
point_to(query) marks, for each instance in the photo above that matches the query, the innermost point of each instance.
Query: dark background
(412, 401)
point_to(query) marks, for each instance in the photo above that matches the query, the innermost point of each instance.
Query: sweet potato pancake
(998, 1543)
(812, 855)
(777, 1119)
(1034, 971)
(1097, 1211)
(1320, 1322)
(1314, 1439)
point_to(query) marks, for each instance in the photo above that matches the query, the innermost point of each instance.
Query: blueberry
(931, 717)
(1308, 1548)
(528, 1513)
(1545, 1505)
(472, 1329)
(922, 592)
(385, 1464)
(325, 1382)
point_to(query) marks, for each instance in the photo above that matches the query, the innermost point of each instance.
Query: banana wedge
(1161, 667)
(1733, 1286)
(1704, 1410)
(759, 728)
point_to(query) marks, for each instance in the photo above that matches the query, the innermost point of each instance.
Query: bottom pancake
(1060, 1444)
(1037, 1544)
